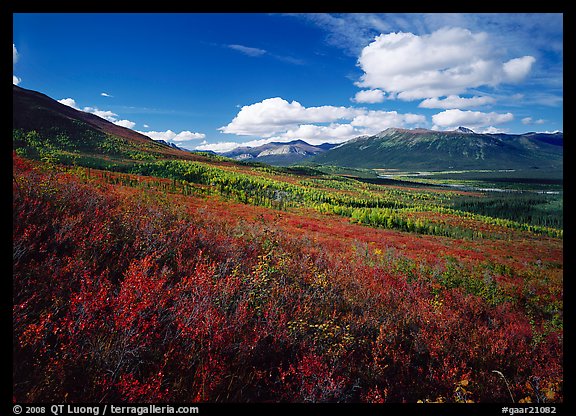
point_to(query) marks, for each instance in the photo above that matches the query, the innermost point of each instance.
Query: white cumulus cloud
(455, 101)
(369, 96)
(105, 114)
(220, 147)
(314, 134)
(125, 123)
(530, 121)
(372, 122)
(275, 119)
(15, 56)
(449, 61)
(492, 130)
(173, 137)
(475, 120)
(276, 115)
(70, 102)
(516, 69)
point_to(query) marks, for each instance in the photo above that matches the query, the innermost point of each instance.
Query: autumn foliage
(122, 294)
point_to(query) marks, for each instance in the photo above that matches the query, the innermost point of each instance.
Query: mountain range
(421, 149)
(393, 148)
(278, 153)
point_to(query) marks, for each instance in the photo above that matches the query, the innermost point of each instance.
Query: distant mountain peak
(395, 130)
(278, 153)
(398, 130)
(464, 130)
(298, 141)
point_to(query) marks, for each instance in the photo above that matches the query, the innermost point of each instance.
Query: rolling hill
(421, 149)
(44, 126)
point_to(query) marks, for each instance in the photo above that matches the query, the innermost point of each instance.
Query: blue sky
(216, 81)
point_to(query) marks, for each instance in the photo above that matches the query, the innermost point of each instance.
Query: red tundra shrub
(132, 296)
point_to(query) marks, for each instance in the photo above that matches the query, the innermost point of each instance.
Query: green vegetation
(364, 199)
(97, 150)
(530, 208)
(365, 203)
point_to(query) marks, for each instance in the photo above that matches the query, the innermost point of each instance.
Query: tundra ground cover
(245, 288)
